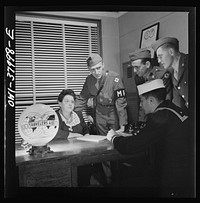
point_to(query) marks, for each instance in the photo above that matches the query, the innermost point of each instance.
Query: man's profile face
(97, 70)
(165, 59)
(145, 104)
(139, 68)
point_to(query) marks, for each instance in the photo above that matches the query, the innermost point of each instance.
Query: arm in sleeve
(81, 100)
(146, 137)
(120, 101)
(166, 76)
(85, 129)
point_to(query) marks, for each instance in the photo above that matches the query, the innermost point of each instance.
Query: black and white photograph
(99, 102)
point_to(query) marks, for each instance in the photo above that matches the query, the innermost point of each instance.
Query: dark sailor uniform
(167, 131)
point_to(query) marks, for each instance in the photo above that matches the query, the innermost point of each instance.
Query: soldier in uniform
(141, 61)
(167, 130)
(169, 56)
(104, 91)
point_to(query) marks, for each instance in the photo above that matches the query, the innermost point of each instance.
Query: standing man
(105, 91)
(169, 56)
(142, 63)
(167, 130)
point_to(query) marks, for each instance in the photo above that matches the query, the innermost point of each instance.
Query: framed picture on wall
(149, 35)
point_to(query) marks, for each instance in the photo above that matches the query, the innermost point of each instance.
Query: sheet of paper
(92, 138)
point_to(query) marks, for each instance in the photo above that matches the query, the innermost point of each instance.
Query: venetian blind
(50, 56)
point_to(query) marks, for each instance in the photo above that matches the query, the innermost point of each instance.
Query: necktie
(176, 74)
(97, 84)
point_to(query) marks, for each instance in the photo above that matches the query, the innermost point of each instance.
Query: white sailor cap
(150, 85)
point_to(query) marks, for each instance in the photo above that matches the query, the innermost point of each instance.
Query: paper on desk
(92, 138)
(124, 134)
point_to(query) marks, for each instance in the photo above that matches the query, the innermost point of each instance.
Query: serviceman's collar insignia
(116, 79)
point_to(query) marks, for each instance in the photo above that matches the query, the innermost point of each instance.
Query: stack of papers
(92, 138)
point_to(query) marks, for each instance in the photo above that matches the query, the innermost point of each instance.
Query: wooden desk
(59, 169)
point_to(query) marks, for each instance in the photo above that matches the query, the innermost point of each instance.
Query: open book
(92, 138)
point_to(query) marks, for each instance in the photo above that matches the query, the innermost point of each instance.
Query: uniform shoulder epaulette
(115, 76)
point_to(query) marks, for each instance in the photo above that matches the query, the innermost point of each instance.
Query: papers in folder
(92, 138)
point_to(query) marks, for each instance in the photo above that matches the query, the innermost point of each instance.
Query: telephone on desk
(134, 128)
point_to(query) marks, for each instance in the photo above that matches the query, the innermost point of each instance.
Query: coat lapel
(181, 67)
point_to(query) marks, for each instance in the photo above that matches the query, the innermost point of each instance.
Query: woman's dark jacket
(64, 130)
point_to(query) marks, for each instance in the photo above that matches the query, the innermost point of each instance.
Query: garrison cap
(93, 59)
(140, 54)
(150, 85)
(164, 40)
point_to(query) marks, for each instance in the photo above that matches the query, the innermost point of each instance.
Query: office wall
(110, 35)
(174, 24)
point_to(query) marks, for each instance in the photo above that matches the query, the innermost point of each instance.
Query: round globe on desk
(38, 125)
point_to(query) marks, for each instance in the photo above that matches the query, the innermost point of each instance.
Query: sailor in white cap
(166, 130)
(169, 56)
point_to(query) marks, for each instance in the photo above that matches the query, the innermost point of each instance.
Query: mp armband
(120, 93)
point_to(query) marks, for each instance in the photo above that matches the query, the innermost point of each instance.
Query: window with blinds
(50, 56)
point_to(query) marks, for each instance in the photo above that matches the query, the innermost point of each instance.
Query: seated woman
(72, 124)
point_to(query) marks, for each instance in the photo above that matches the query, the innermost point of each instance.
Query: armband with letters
(119, 93)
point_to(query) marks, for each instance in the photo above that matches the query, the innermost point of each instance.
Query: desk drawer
(54, 173)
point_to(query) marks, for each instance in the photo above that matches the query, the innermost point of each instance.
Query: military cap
(150, 85)
(140, 54)
(162, 41)
(93, 59)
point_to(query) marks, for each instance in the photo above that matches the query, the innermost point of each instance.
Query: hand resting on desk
(111, 133)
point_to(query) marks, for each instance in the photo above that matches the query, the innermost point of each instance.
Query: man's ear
(152, 100)
(171, 51)
(147, 64)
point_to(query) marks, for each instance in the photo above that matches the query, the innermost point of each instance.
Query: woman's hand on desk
(72, 135)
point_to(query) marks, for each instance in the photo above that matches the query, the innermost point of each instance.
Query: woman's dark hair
(66, 92)
(159, 94)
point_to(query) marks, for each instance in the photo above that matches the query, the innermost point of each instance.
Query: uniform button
(185, 82)
(187, 103)
(182, 64)
(179, 87)
(183, 96)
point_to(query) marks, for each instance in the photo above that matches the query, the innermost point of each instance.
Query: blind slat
(44, 54)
